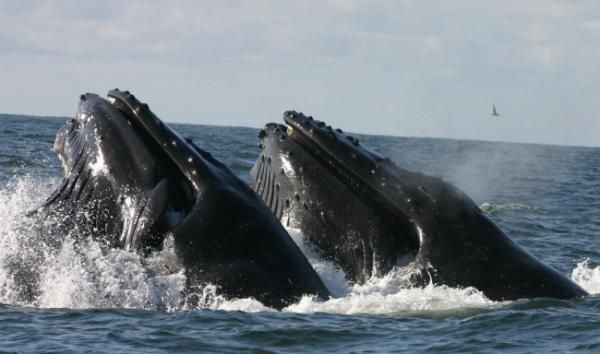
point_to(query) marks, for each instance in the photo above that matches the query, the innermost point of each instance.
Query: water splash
(391, 293)
(587, 277)
(429, 298)
(332, 275)
(68, 271)
(78, 272)
(93, 277)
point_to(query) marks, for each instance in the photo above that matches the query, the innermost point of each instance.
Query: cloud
(411, 67)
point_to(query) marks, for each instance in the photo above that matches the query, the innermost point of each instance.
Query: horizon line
(352, 132)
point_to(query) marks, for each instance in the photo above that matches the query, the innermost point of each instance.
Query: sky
(405, 68)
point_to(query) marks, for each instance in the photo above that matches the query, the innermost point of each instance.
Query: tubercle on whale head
(315, 129)
(340, 149)
(273, 135)
(197, 166)
(314, 163)
(354, 164)
(346, 158)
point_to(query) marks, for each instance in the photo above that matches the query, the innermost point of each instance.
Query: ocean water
(93, 299)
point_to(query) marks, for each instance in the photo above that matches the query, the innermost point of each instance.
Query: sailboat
(494, 111)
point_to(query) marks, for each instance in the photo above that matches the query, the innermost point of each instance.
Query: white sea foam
(429, 298)
(246, 305)
(496, 207)
(332, 276)
(391, 293)
(74, 274)
(587, 277)
(93, 277)
(86, 274)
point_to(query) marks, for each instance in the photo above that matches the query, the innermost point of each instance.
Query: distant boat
(494, 111)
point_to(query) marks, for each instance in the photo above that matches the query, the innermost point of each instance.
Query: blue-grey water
(547, 198)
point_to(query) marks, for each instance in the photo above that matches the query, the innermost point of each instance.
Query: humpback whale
(133, 182)
(370, 216)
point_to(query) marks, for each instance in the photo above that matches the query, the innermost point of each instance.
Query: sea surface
(547, 198)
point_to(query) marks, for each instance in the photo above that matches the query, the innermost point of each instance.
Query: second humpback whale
(132, 182)
(369, 216)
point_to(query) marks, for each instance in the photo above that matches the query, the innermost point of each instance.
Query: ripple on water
(117, 302)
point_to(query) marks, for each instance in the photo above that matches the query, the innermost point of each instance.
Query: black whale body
(132, 181)
(369, 215)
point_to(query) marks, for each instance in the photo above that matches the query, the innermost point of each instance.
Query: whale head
(321, 180)
(370, 216)
(134, 182)
(116, 182)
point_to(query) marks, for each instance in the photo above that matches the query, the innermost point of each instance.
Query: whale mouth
(314, 143)
(337, 150)
(118, 172)
(157, 137)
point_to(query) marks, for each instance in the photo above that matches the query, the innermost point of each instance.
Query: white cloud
(411, 67)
